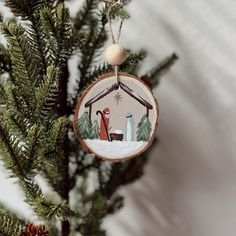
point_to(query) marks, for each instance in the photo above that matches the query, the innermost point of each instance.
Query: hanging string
(110, 25)
(117, 75)
(112, 4)
(110, 22)
(119, 33)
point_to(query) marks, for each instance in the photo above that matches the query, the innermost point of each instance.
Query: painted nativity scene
(115, 121)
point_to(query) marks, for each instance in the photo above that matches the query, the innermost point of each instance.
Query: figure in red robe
(106, 116)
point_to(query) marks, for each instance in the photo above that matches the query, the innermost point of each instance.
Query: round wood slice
(107, 107)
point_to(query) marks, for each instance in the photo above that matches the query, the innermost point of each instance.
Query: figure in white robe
(129, 127)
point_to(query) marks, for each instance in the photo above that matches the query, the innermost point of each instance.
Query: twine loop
(111, 4)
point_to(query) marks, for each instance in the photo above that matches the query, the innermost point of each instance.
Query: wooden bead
(115, 55)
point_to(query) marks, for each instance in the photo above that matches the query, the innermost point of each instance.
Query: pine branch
(30, 13)
(47, 92)
(5, 61)
(156, 73)
(85, 15)
(133, 61)
(95, 41)
(48, 29)
(45, 208)
(2, 94)
(49, 210)
(54, 154)
(36, 40)
(10, 225)
(117, 11)
(115, 203)
(11, 151)
(91, 224)
(91, 76)
(89, 51)
(37, 46)
(16, 108)
(68, 38)
(17, 160)
(26, 72)
(19, 155)
(94, 74)
(63, 24)
(29, 10)
(60, 38)
(31, 150)
(24, 8)
(58, 132)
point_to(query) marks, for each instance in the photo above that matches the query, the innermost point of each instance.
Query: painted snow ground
(115, 149)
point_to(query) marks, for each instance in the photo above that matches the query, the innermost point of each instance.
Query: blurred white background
(189, 188)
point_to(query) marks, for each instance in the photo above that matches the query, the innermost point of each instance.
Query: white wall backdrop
(189, 188)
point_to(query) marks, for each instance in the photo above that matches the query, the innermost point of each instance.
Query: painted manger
(116, 121)
(117, 135)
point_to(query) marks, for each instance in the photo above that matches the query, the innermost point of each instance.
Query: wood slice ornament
(117, 116)
(116, 120)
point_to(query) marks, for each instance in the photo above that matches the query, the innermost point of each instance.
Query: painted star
(118, 98)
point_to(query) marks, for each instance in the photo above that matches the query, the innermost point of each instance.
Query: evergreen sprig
(25, 70)
(24, 8)
(10, 224)
(162, 68)
(11, 150)
(133, 61)
(91, 224)
(5, 61)
(16, 109)
(47, 92)
(91, 49)
(22, 160)
(85, 14)
(2, 94)
(92, 75)
(60, 38)
(43, 207)
(53, 153)
(118, 12)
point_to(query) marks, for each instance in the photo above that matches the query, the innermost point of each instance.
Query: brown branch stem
(64, 110)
